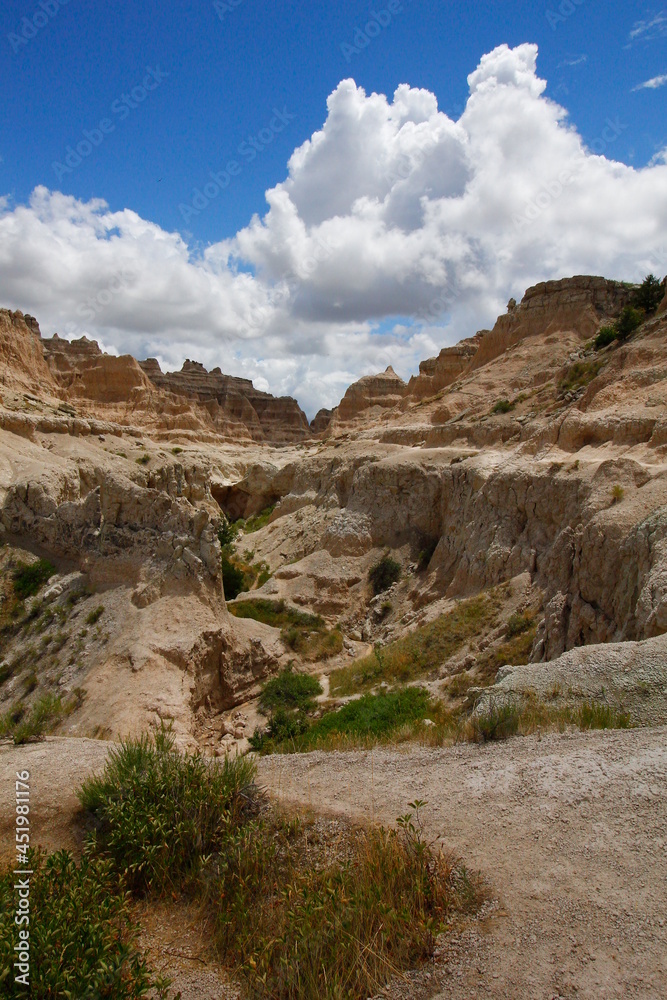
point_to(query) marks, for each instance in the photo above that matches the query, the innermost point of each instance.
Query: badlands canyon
(515, 490)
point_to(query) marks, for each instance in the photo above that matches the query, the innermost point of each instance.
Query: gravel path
(569, 830)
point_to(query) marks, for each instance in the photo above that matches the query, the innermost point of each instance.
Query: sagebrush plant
(156, 813)
(300, 921)
(82, 937)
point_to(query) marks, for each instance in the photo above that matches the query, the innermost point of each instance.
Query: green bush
(29, 579)
(502, 406)
(227, 532)
(283, 727)
(82, 938)
(233, 578)
(606, 335)
(629, 320)
(143, 460)
(386, 572)
(258, 521)
(157, 813)
(290, 691)
(649, 295)
(94, 616)
(44, 716)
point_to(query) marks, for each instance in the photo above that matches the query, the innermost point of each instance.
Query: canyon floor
(568, 832)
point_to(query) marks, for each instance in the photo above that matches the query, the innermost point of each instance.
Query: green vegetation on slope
(421, 652)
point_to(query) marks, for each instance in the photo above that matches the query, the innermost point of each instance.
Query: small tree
(628, 322)
(649, 295)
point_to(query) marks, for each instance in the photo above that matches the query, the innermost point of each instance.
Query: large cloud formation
(397, 231)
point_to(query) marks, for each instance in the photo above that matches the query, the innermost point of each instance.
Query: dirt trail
(569, 830)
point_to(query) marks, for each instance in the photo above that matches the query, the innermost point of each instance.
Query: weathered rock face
(22, 365)
(85, 372)
(267, 418)
(580, 304)
(319, 425)
(436, 373)
(384, 390)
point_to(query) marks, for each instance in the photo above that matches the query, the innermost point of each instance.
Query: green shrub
(386, 572)
(502, 406)
(44, 716)
(94, 616)
(29, 579)
(176, 451)
(617, 493)
(606, 335)
(82, 938)
(283, 727)
(258, 521)
(519, 622)
(497, 722)
(289, 691)
(157, 813)
(227, 532)
(233, 578)
(578, 375)
(300, 922)
(649, 295)
(629, 320)
(143, 460)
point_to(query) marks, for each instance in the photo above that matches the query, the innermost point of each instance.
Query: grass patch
(83, 942)
(300, 918)
(371, 719)
(157, 813)
(498, 722)
(44, 716)
(578, 375)
(385, 573)
(419, 653)
(295, 912)
(258, 521)
(28, 580)
(301, 632)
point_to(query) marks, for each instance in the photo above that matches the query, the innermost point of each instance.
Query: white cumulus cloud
(397, 230)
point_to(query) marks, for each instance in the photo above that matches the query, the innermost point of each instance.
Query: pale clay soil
(568, 831)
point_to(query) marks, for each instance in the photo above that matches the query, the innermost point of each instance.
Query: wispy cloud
(652, 84)
(647, 31)
(573, 61)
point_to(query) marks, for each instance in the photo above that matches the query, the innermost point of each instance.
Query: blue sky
(406, 217)
(229, 68)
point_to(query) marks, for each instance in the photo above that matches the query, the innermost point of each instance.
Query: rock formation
(267, 418)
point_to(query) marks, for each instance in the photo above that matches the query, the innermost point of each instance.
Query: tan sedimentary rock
(384, 390)
(267, 418)
(22, 365)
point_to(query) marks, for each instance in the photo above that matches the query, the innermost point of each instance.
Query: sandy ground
(569, 831)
